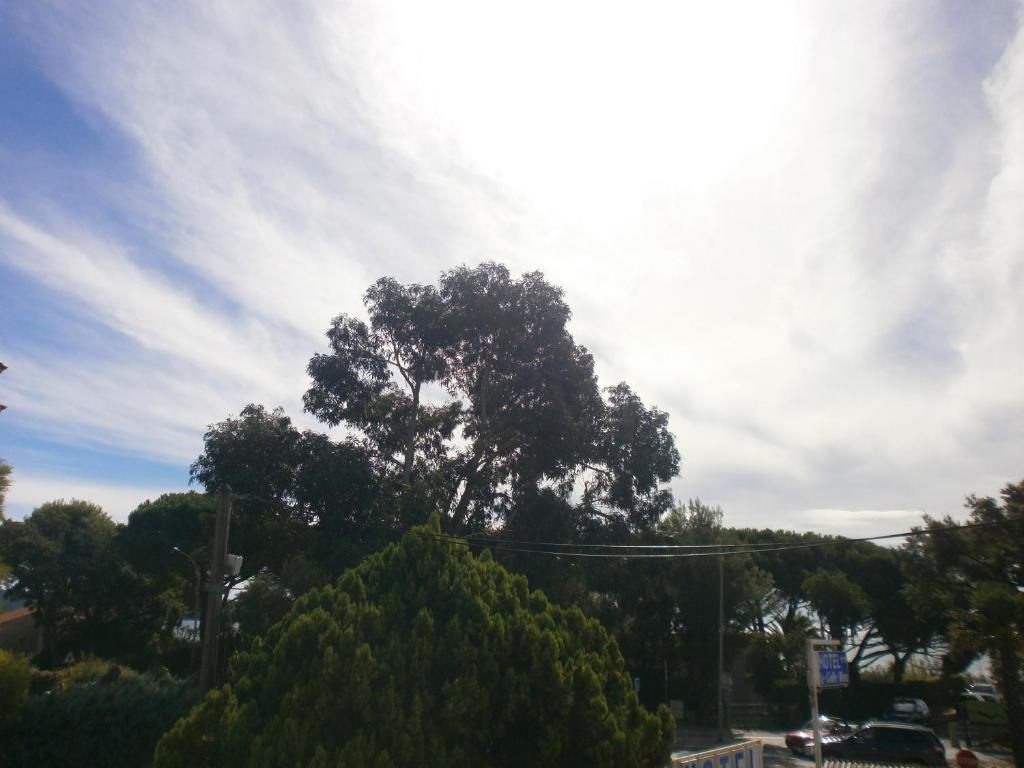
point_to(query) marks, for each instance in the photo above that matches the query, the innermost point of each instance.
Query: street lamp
(199, 579)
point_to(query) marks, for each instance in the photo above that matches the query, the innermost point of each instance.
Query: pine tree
(425, 654)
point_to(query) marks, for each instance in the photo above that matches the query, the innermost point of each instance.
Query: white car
(982, 692)
(908, 711)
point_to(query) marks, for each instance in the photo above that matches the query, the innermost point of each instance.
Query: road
(777, 756)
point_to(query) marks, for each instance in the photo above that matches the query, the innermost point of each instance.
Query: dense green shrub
(15, 674)
(84, 672)
(106, 723)
(91, 670)
(425, 654)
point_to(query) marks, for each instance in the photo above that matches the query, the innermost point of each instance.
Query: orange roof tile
(17, 613)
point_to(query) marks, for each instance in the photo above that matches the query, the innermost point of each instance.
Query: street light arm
(195, 567)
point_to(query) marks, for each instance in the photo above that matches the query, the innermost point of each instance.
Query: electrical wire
(666, 551)
(721, 552)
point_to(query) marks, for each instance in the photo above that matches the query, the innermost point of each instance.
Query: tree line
(470, 401)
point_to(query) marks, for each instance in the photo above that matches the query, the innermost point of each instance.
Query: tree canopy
(87, 599)
(977, 577)
(513, 401)
(5, 484)
(425, 652)
(297, 491)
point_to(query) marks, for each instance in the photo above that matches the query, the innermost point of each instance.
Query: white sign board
(747, 754)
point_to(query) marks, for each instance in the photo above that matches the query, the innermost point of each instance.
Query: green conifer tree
(425, 654)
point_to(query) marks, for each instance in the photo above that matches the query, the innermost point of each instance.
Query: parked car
(889, 743)
(978, 696)
(801, 741)
(982, 692)
(907, 711)
(981, 709)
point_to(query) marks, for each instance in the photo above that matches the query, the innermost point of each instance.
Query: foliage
(425, 652)
(66, 565)
(776, 665)
(107, 724)
(297, 492)
(525, 409)
(164, 543)
(155, 528)
(692, 604)
(15, 675)
(543, 515)
(873, 695)
(263, 603)
(977, 576)
(85, 672)
(5, 484)
(664, 613)
(840, 603)
(5, 572)
(62, 558)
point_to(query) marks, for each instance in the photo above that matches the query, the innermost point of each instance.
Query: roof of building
(14, 615)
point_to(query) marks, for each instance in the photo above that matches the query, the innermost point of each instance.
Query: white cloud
(859, 522)
(28, 491)
(795, 226)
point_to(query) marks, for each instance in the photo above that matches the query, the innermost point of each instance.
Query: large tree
(296, 491)
(66, 566)
(425, 653)
(5, 484)
(471, 391)
(977, 576)
(896, 628)
(182, 521)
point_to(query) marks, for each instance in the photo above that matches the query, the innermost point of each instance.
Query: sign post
(825, 669)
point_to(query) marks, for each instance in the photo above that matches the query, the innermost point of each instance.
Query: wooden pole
(721, 648)
(214, 588)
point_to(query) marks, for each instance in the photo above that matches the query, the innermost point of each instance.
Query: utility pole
(214, 588)
(721, 647)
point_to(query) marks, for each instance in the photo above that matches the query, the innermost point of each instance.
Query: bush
(91, 670)
(425, 654)
(112, 723)
(85, 672)
(15, 674)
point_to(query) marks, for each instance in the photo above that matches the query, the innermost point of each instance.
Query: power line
(497, 544)
(666, 551)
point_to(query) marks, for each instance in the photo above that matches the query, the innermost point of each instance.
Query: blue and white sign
(748, 754)
(833, 671)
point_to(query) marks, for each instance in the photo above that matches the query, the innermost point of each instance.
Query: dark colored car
(801, 741)
(889, 743)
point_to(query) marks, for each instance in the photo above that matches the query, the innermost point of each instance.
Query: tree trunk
(410, 439)
(474, 468)
(899, 666)
(790, 619)
(50, 638)
(458, 517)
(1008, 670)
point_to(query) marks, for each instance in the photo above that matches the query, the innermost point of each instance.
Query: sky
(794, 226)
